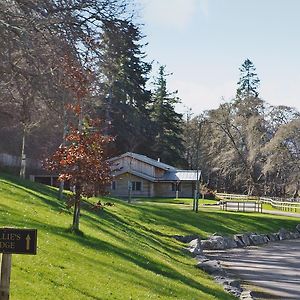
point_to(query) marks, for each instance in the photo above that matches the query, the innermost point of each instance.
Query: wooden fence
(289, 204)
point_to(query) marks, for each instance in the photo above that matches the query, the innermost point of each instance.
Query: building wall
(121, 184)
(164, 189)
(129, 163)
(149, 189)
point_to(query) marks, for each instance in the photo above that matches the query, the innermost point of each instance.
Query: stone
(246, 295)
(257, 239)
(229, 243)
(296, 234)
(284, 234)
(239, 240)
(273, 237)
(298, 227)
(215, 242)
(195, 247)
(211, 267)
(246, 239)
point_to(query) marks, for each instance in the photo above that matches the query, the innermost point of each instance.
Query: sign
(18, 241)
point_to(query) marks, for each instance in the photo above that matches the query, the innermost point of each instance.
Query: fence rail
(244, 206)
(290, 204)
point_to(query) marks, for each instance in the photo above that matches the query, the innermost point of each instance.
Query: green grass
(126, 251)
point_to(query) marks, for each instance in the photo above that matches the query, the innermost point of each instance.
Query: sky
(204, 42)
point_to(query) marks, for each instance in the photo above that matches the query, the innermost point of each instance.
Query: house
(140, 176)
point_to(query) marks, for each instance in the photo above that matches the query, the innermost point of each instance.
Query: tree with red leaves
(81, 159)
(82, 162)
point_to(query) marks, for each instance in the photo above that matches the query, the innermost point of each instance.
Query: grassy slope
(125, 253)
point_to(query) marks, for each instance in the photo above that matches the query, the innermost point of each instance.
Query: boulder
(246, 239)
(284, 234)
(195, 247)
(229, 243)
(239, 240)
(296, 234)
(215, 242)
(298, 227)
(211, 266)
(273, 237)
(258, 239)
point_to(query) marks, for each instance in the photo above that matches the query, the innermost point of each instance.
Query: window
(176, 187)
(136, 185)
(113, 185)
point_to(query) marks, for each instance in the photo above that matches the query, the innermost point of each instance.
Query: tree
(167, 123)
(34, 36)
(282, 167)
(82, 162)
(236, 147)
(122, 84)
(249, 82)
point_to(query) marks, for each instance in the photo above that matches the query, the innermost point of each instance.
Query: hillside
(126, 251)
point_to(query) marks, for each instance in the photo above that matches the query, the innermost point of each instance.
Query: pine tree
(123, 84)
(168, 144)
(249, 81)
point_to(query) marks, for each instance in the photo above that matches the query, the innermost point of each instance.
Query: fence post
(5, 276)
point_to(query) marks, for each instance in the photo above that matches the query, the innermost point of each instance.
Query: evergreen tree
(249, 81)
(124, 74)
(168, 144)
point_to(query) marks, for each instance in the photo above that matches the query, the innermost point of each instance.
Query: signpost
(14, 241)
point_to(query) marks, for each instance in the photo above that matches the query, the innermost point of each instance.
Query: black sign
(18, 241)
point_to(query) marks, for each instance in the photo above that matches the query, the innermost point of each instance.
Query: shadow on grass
(46, 194)
(140, 259)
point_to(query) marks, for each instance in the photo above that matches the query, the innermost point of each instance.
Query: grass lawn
(126, 251)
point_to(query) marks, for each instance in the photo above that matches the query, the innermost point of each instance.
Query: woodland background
(56, 51)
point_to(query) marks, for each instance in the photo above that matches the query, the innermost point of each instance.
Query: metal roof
(181, 175)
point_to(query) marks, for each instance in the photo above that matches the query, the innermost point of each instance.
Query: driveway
(271, 271)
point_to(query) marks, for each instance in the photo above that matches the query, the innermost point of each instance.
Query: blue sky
(204, 42)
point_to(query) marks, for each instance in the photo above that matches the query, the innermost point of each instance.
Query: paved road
(274, 268)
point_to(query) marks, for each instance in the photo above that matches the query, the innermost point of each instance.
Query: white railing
(282, 204)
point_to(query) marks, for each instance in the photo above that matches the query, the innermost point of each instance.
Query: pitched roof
(145, 159)
(171, 173)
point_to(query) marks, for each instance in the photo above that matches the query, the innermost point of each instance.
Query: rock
(246, 239)
(211, 267)
(215, 242)
(218, 242)
(195, 247)
(239, 240)
(246, 295)
(273, 237)
(284, 234)
(296, 234)
(298, 227)
(185, 238)
(257, 239)
(229, 243)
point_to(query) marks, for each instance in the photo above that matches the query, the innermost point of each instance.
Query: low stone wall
(217, 242)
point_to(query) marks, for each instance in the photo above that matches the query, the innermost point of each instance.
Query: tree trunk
(76, 214)
(23, 156)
